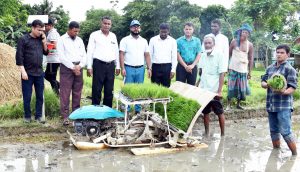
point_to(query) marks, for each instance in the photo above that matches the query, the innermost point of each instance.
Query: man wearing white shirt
(221, 41)
(163, 52)
(102, 59)
(134, 51)
(72, 55)
(52, 58)
(213, 67)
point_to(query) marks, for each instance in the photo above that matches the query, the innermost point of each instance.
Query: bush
(16, 110)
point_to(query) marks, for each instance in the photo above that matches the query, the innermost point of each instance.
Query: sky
(77, 8)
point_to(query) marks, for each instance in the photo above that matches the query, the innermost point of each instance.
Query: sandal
(66, 122)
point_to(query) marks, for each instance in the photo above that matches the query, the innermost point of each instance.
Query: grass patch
(15, 110)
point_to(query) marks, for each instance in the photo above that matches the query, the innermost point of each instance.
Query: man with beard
(72, 55)
(134, 51)
(163, 51)
(102, 59)
(214, 66)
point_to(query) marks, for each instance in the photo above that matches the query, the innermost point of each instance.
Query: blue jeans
(135, 75)
(280, 123)
(38, 82)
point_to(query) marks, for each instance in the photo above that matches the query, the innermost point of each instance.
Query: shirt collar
(134, 37)
(103, 33)
(192, 38)
(68, 36)
(211, 54)
(30, 37)
(51, 30)
(163, 39)
(283, 63)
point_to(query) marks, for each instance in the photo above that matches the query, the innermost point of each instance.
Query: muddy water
(246, 147)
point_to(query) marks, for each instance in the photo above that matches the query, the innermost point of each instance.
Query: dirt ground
(246, 147)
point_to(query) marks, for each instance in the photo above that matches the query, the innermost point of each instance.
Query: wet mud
(245, 147)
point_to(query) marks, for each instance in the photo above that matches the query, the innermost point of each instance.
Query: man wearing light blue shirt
(214, 66)
(188, 55)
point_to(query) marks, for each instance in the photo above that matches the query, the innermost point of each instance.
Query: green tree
(93, 20)
(12, 21)
(208, 14)
(46, 8)
(267, 17)
(151, 13)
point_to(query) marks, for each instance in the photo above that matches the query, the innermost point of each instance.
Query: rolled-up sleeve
(292, 79)
(20, 52)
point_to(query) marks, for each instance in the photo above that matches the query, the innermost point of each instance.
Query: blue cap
(134, 22)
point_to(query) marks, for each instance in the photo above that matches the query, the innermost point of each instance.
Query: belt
(134, 66)
(161, 64)
(103, 62)
(76, 63)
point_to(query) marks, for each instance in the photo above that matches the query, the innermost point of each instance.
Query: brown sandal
(66, 122)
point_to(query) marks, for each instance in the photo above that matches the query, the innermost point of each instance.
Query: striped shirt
(278, 102)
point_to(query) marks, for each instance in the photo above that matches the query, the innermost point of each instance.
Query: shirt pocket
(213, 69)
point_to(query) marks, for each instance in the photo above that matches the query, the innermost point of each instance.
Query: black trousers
(183, 76)
(50, 75)
(161, 74)
(103, 76)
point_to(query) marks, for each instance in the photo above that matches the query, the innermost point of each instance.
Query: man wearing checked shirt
(280, 104)
(189, 48)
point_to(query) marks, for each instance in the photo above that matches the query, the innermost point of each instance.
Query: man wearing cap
(134, 51)
(240, 66)
(189, 50)
(52, 58)
(163, 51)
(29, 57)
(72, 55)
(102, 59)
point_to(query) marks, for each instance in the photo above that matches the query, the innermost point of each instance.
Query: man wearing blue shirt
(280, 104)
(188, 55)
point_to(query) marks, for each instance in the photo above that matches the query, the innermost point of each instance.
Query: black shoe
(240, 107)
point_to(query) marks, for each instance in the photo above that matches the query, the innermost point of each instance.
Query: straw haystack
(10, 79)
